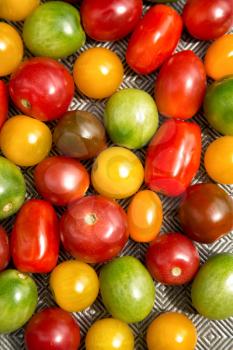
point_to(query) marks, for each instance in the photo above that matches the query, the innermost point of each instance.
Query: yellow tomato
(75, 285)
(171, 331)
(25, 141)
(117, 173)
(109, 334)
(219, 160)
(11, 49)
(17, 10)
(98, 72)
(219, 57)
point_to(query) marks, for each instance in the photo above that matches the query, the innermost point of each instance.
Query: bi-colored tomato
(42, 88)
(74, 285)
(4, 249)
(154, 39)
(180, 86)
(94, 229)
(3, 102)
(15, 10)
(173, 157)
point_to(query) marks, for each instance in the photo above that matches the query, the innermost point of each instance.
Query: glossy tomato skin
(173, 157)
(35, 237)
(42, 88)
(4, 249)
(209, 19)
(14, 10)
(3, 102)
(172, 259)
(61, 180)
(47, 326)
(94, 229)
(206, 212)
(105, 20)
(180, 86)
(154, 39)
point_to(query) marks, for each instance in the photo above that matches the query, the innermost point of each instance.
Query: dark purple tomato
(4, 249)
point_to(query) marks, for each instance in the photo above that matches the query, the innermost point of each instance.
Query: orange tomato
(17, 10)
(145, 216)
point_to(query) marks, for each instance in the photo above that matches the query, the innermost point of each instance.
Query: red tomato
(172, 259)
(3, 103)
(52, 329)
(173, 157)
(208, 19)
(94, 229)
(106, 20)
(154, 39)
(35, 237)
(180, 86)
(4, 249)
(61, 180)
(42, 88)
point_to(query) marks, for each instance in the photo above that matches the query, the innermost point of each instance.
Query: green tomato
(18, 300)
(127, 289)
(212, 289)
(131, 118)
(218, 105)
(53, 30)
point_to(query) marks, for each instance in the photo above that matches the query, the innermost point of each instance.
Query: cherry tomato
(3, 102)
(61, 180)
(171, 331)
(42, 88)
(106, 20)
(206, 212)
(52, 329)
(145, 216)
(15, 10)
(94, 229)
(219, 160)
(209, 19)
(25, 141)
(4, 249)
(74, 285)
(11, 52)
(180, 86)
(117, 173)
(154, 39)
(172, 259)
(173, 157)
(35, 237)
(98, 72)
(109, 334)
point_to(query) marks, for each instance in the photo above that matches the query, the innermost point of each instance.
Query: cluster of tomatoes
(95, 228)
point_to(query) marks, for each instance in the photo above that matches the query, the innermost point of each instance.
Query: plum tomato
(52, 329)
(206, 212)
(15, 10)
(4, 249)
(61, 180)
(105, 20)
(74, 285)
(3, 102)
(117, 173)
(145, 216)
(98, 72)
(172, 259)
(42, 88)
(180, 86)
(80, 134)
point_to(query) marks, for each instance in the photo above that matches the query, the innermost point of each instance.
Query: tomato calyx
(90, 219)
(25, 103)
(176, 271)
(22, 276)
(8, 207)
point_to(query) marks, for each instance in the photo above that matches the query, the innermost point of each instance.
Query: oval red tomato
(4, 249)
(154, 39)
(180, 86)
(94, 229)
(3, 102)
(35, 237)
(42, 88)
(173, 157)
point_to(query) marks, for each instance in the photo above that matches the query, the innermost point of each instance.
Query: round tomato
(109, 334)
(171, 331)
(61, 180)
(52, 329)
(106, 20)
(15, 10)
(219, 160)
(25, 141)
(11, 52)
(74, 285)
(209, 19)
(3, 102)
(145, 216)
(4, 249)
(180, 86)
(42, 88)
(117, 173)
